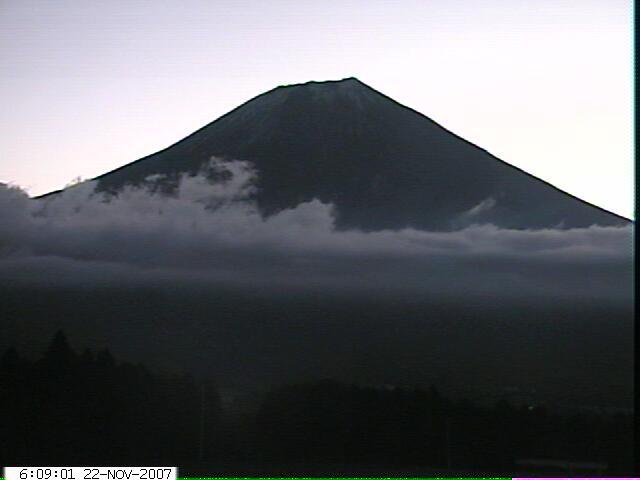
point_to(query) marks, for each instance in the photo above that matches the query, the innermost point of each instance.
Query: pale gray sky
(87, 86)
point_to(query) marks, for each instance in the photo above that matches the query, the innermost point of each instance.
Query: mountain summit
(381, 164)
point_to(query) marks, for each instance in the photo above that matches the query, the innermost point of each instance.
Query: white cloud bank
(211, 231)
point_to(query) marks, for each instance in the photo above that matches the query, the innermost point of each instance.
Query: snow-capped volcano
(381, 164)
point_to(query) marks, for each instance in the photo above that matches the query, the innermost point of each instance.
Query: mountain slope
(381, 164)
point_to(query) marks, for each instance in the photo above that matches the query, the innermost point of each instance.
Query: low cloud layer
(211, 231)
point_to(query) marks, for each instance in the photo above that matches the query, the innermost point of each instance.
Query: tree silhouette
(66, 408)
(90, 409)
(328, 422)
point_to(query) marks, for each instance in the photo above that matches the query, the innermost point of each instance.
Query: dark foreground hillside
(67, 408)
(572, 354)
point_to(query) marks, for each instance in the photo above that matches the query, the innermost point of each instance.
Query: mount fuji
(382, 165)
